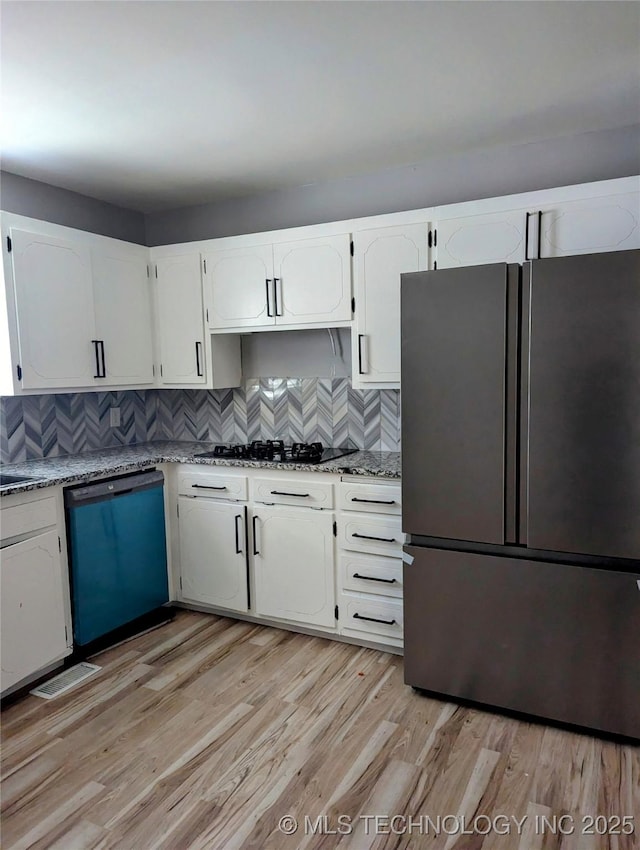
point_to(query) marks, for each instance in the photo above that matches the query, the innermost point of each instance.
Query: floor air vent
(65, 681)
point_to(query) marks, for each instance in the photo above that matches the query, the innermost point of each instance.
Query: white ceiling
(154, 105)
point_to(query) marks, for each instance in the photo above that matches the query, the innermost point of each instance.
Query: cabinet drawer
(371, 574)
(377, 498)
(375, 534)
(31, 516)
(213, 485)
(293, 491)
(370, 615)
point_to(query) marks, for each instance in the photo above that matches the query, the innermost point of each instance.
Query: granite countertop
(68, 469)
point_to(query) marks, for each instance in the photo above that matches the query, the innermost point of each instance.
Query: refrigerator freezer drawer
(558, 641)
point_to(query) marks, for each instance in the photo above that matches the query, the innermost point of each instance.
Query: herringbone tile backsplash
(292, 409)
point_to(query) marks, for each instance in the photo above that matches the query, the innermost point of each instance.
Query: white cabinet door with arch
(312, 279)
(54, 302)
(610, 223)
(381, 256)
(123, 314)
(239, 287)
(479, 239)
(213, 561)
(180, 319)
(33, 615)
(294, 564)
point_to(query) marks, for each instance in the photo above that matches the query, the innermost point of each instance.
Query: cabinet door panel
(123, 316)
(479, 239)
(54, 299)
(294, 565)
(381, 256)
(313, 280)
(33, 620)
(212, 553)
(180, 319)
(591, 226)
(240, 287)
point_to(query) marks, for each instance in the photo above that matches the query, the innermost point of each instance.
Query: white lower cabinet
(370, 585)
(293, 556)
(213, 554)
(373, 616)
(34, 589)
(284, 548)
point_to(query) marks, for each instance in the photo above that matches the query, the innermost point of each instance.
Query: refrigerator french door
(521, 486)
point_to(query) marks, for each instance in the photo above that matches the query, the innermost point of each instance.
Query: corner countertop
(68, 469)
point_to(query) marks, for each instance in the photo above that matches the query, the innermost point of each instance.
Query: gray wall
(600, 155)
(40, 200)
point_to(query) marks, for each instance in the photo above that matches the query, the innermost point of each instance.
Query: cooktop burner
(278, 452)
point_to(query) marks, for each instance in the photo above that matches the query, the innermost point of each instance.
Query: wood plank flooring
(203, 734)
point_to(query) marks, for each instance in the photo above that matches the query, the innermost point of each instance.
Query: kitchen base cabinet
(370, 576)
(373, 617)
(34, 589)
(294, 564)
(213, 559)
(212, 533)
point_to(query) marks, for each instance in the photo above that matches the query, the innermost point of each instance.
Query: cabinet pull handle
(369, 537)
(104, 367)
(276, 281)
(255, 536)
(198, 364)
(206, 487)
(98, 345)
(539, 233)
(526, 235)
(267, 282)
(357, 616)
(235, 521)
(374, 501)
(363, 355)
(375, 578)
(283, 493)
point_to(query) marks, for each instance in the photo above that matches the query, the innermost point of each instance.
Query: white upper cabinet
(556, 228)
(610, 223)
(312, 281)
(180, 319)
(239, 287)
(54, 305)
(287, 284)
(380, 257)
(478, 239)
(123, 315)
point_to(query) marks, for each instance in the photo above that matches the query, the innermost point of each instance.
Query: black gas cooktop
(278, 452)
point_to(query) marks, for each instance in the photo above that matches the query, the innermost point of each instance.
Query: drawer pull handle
(374, 620)
(255, 535)
(235, 521)
(369, 537)
(298, 495)
(374, 501)
(206, 487)
(375, 578)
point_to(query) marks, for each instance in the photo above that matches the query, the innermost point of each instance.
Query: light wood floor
(205, 732)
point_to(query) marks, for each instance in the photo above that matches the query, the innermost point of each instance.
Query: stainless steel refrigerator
(521, 486)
